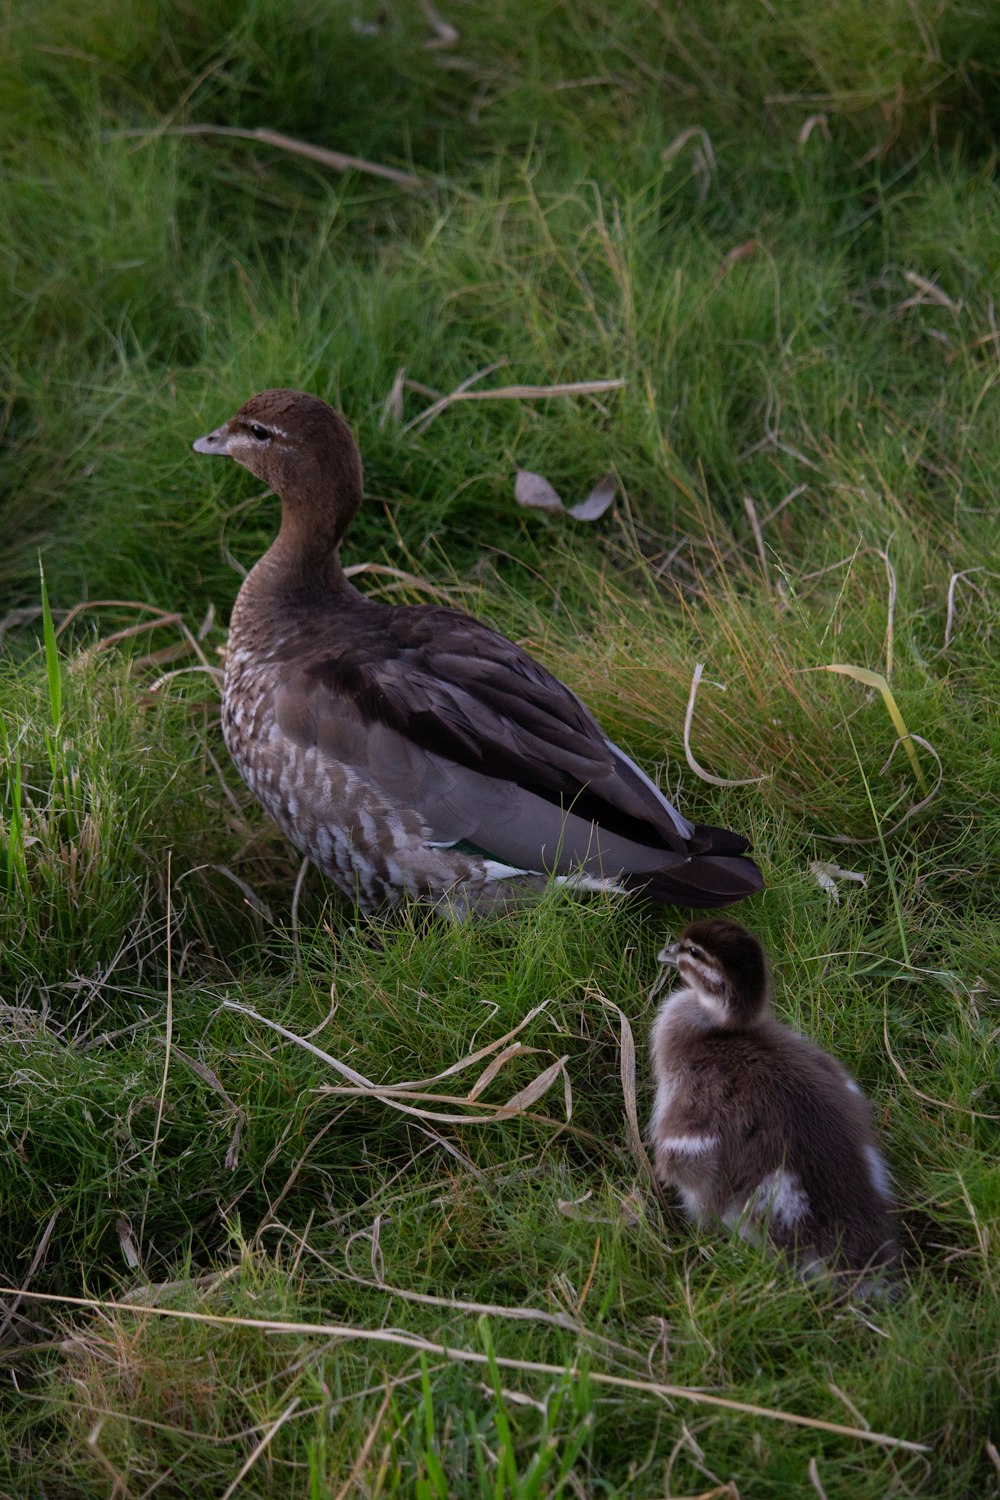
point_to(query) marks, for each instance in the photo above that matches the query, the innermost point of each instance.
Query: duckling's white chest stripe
(687, 1145)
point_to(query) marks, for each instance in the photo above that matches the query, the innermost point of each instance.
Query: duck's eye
(259, 432)
(696, 952)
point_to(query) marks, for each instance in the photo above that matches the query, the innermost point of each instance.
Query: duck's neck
(304, 557)
(298, 573)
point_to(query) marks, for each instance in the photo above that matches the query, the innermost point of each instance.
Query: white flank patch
(496, 871)
(881, 1180)
(688, 1145)
(694, 1206)
(781, 1194)
(581, 882)
(853, 1087)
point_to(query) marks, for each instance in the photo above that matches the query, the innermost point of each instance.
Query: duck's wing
(492, 753)
(449, 690)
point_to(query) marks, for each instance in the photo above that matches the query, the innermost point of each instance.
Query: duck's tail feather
(705, 840)
(703, 881)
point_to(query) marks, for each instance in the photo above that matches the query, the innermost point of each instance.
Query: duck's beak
(214, 442)
(668, 955)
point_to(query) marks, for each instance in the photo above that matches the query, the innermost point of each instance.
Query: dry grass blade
(890, 612)
(758, 536)
(917, 807)
(814, 1479)
(562, 1321)
(474, 1057)
(929, 292)
(202, 1071)
(163, 618)
(366, 1446)
(161, 1103)
(911, 812)
(958, 1109)
(408, 580)
(331, 1062)
(392, 406)
(252, 1457)
(408, 1097)
(955, 579)
(815, 122)
(626, 1049)
(519, 1104)
(36, 1261)
(532, 1092)
(493, 1067)
(119, 1488)
(445, 34)
(413, 1341)
(876, 680)
(511, 393)
(702, 157)
(696, 768)
(338, 161)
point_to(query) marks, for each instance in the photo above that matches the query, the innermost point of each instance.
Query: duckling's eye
(259, 432)
(696, 952)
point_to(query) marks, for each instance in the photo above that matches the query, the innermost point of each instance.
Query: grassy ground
(777, 227)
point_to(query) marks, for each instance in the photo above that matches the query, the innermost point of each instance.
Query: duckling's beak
(214, 442)
(668, 955)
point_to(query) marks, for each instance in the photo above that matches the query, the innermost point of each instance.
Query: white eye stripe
(706, 971)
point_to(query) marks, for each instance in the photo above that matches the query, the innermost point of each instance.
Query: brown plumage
(756, 1126)
(409, 749)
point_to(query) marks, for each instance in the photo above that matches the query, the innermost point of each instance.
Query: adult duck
(409, 750)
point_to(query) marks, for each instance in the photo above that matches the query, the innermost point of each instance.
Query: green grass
(161, 1148)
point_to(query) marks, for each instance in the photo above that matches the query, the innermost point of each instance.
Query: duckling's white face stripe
(702, 974)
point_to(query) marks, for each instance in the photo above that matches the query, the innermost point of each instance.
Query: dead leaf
(827, 875)
(534, 492)
(746, 250)
(597, 501)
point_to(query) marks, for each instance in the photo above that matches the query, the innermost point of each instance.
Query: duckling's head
(725, 967)
(301, 448)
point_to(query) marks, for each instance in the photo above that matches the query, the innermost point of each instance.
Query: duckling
(409, 750)
(755, 1125)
